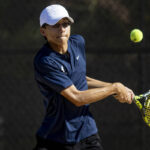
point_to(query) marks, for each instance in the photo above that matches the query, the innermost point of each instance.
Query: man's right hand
(123, 94)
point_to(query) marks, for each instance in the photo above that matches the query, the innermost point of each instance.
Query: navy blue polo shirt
(63, 121)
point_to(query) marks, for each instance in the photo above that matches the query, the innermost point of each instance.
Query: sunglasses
(64, 25)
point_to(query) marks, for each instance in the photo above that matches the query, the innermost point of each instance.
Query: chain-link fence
(111, 56)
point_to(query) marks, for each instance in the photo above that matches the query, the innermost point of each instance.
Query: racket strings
(143, 103)
(147, 111)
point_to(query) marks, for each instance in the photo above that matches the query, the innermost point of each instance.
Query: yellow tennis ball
(136, 35)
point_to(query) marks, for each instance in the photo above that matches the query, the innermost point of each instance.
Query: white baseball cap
(53, 13)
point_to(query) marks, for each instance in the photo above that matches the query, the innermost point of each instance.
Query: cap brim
(58, 19)
(70, 19)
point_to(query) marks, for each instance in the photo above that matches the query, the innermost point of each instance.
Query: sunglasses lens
(65, 24)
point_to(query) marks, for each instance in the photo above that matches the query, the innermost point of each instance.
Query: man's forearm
(95, 94)
(93, 83)
(80, 98)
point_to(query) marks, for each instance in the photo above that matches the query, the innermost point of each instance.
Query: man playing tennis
(60, 72)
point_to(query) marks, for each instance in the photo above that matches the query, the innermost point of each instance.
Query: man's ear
(42, 31)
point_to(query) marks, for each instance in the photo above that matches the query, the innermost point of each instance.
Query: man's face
(57, 34)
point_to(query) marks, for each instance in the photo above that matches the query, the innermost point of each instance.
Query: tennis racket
(142, 101)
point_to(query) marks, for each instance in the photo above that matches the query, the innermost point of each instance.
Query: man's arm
(93, 83)
(80, 98)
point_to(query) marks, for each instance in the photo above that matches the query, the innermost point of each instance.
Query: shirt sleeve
(82, 45)
(48, 73)
(80, 42)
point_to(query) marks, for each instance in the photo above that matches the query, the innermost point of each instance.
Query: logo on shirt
(62, 69)
(77, 57)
